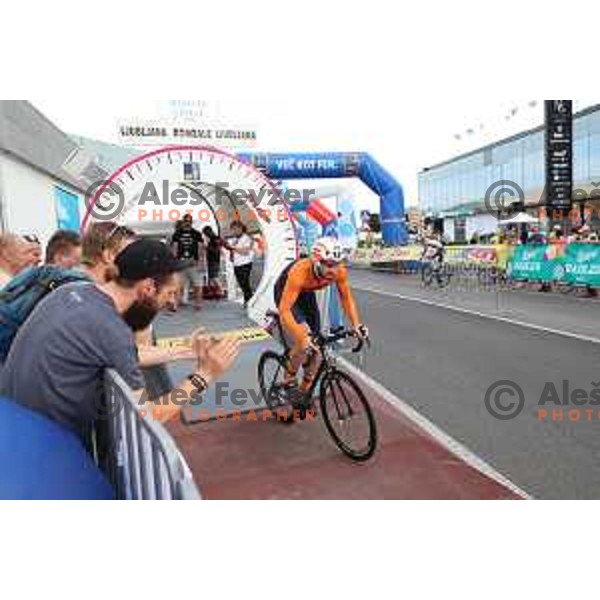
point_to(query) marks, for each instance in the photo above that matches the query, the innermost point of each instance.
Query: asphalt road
(443, 362)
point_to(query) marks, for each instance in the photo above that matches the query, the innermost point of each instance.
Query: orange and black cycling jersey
(294, 289)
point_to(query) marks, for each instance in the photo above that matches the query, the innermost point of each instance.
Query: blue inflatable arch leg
(343, 165)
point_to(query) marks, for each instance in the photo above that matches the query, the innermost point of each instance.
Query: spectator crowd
(58, 357)
(204, 250)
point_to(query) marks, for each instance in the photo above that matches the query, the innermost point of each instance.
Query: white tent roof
(520, 218)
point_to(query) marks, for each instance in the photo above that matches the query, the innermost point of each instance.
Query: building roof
(109, 156)
(586, 111)
(29, 136)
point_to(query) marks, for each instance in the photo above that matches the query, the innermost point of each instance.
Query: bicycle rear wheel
(271, 374)
(348, 416)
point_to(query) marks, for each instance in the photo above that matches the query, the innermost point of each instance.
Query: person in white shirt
(241, 247)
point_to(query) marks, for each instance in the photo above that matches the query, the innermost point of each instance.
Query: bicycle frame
(334, 384)
(327, 362)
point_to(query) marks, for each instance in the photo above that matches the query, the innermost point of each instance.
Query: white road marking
(482, 315)
(448, 442)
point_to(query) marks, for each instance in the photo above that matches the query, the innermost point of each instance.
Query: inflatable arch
(343, 165)
(118, 197)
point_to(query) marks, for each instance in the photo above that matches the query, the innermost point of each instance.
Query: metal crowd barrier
(141, 459)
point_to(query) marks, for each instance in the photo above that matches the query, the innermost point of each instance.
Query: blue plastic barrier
(40, 460)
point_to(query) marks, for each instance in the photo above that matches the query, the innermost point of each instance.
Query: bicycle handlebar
(338, 335)
(327, 340)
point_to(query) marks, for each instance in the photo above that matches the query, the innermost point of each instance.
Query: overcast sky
(404, 133)
(397, 83)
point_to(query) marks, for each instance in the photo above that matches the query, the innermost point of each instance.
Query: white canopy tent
(520, 219)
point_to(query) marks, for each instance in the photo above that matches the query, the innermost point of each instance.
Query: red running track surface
(274, 460)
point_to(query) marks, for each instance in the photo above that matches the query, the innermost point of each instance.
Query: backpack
(22, 294)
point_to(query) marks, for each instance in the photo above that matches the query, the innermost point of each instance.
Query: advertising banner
(384, 255)
(582, 265)
(575, 264)
(471, 254)
(534, 263)
(454, 254)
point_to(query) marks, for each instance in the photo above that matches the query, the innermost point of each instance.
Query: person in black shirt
(186, 242)
(214, 247)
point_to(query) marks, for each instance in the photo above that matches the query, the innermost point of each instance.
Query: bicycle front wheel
(348, 416)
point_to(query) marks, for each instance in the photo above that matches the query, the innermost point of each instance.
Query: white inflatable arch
(118, 199)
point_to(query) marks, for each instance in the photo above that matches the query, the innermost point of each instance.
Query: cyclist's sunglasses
(331, 264)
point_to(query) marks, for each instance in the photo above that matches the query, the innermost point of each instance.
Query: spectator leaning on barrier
(152, 358)
(16, 254)
(64, 249)
(56, 364)
(101, 244)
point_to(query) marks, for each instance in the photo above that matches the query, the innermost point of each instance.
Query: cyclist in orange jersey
(298, 309)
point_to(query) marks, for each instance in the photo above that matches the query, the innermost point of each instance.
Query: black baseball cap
(144, 259)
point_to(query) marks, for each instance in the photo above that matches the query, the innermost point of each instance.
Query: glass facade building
(457, 188)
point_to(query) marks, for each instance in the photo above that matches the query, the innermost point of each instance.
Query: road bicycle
(434, 270)
(347, 415)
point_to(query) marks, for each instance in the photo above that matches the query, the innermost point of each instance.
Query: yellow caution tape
(245, 336)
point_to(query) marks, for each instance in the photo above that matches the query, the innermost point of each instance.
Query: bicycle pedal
(278, 396)
(295, 396)
(278, 400)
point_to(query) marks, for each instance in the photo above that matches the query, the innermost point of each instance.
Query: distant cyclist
(298, 309)
(433, 250)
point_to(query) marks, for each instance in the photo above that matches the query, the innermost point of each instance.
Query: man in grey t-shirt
(57, 361)
(56, 364)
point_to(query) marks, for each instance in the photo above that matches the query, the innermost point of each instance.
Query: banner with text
(575, 264)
